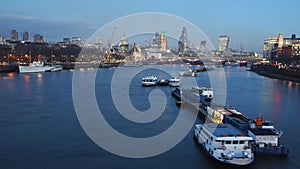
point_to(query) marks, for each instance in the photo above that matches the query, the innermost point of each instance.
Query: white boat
(55, 68)
(225, 143)
(150, 80)
(190, 72)
(175, 82)
(231, 63)
(35, 67)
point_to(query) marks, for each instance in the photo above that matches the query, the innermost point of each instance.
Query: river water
(39, 127)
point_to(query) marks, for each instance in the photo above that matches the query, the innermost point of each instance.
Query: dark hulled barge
(264, 134)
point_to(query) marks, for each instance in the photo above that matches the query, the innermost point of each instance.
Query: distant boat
(187, 73)
(231, 63)
(175, 82)
(150, 80)
(163, 82)
(35, 67)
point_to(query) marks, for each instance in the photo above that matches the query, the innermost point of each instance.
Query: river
(39, 127)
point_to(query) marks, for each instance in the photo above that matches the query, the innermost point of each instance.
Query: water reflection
(26, 84)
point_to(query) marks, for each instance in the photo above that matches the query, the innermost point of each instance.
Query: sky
(248, 23)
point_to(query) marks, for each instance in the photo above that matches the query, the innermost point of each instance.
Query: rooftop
(222, 129)
(260, 131)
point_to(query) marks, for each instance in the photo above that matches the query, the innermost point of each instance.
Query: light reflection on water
(39, 128)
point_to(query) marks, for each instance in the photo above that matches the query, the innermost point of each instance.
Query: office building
(38, 38)
(25, 36)
(14, 35)
(223, 43)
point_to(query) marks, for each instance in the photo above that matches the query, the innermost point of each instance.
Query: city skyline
(247, 24)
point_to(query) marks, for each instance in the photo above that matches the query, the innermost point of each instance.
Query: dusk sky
(246, 22)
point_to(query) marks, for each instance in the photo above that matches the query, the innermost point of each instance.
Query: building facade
(223, 43)
(282, 50)
(14, 35)
(25, 36)
(183, 42)
(38, 38)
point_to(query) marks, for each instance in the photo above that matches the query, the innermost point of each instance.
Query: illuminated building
(223, 42)
(14, 35)
(38, 38)
(25, 36)
(283, 50)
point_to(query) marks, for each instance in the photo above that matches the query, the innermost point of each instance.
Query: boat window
(228, 142)
(242, 142)
(235, 142)
(211, 138)
(218, 141)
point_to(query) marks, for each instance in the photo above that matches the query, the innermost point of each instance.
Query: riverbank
(273, 72)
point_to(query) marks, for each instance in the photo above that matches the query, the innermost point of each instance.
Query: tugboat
(224, 143)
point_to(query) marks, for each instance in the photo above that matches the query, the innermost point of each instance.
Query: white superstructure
(175, 82)
(225, 143)
(150, 80)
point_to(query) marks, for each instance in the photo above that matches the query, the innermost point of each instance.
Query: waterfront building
(282, 50)
(38, 38)
(25, 36)
(223, 43)
(14, 35)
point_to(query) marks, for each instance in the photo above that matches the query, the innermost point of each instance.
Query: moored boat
(175, 82)
(35, 67)
(224, 143)
(163, 82)
(150, 80)
(265, 135)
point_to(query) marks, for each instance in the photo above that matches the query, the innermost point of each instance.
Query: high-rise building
(160, 41)
(38, 38)
(223, 43)
(163, 41)
(156, 40)
(203, 46)
(25, 36)
(183, 41)
(2, 39)
(14, 35)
